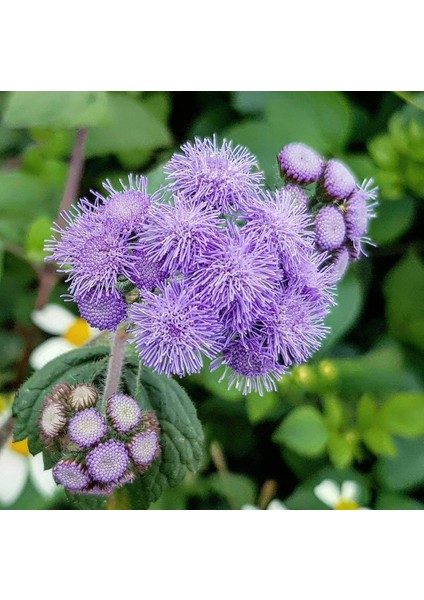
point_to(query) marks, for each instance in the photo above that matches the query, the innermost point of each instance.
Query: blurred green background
(356, 411)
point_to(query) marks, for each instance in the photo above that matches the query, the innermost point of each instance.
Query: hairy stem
(116, 362)
(48, 276)
(6, 431)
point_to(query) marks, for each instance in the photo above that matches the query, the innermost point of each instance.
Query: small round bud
(356, 215)
(60, 392)
(52, 419)
(123, 412)
(297, 193)
(97, 489)
(72, 475)
(105, 312)
(83, 395)
(300, 163)
(144, 448)
(339, 265)
(108, 462)
(330, 229)
(338, 181)
(87, 428)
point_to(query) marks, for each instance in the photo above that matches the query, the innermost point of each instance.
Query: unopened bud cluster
(99, 452)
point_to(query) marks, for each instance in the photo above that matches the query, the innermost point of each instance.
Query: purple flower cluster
(222, 268)
(99, 452)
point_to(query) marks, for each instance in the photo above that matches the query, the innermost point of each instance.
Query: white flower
(273, 505)
(70, 332)
(16, 465)
(339, 497)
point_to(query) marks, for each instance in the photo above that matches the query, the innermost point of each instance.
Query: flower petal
(350, 490)
(49, 350)
(13, 475)
(328, 492)
(53, 319)
(43, 480)
(276, 505)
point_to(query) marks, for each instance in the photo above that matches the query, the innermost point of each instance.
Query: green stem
(116, 362)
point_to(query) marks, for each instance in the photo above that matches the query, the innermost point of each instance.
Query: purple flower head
(311, 277)
(107, 489)
(173, 329)
(176, 233)
(123, 412)
(87, 428)
(339, 264)
(297, 193)
(146, 274)
(222, 177)
(72, 475)
(105, 312)
(253, 367)
(294, 328)
(330, 229)
(127, 208)
(279, 223)
(300, 163)
(144, 448)
(238, 276)
(338, 181)
(52, 419)
(108, 462)
(359, 210)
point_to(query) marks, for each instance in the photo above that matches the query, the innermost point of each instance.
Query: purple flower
(144, 448)
(300, 163)
(146, 273)
(339, 264)
(178, 232)
(173, 329)
(222, 177)
(330, 229)
(311, 277)
(281, 224)
(87, 428)
(359, 210)
(105, 312)
(250, 366)
(108, 462)
(123, 412)
(294, 328)
(297, 193)
(72, 475)
(338, 181)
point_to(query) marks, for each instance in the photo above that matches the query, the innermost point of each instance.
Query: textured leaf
(303, 431)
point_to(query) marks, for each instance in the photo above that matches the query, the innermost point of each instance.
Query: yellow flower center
(344, 504)
(78, 333)
(20, 447)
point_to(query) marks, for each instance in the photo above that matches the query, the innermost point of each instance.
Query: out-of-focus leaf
(416, 99)
(39, 231)
(237, 489)
(303, 431)
(384, 152)
(56, 110)
(340, 450)
(403, 414)
(379, 441)
(159, 104)
(405, 471)
(390, 501)
(366, 412)
(249, 102)
(261, 407)
(20, 195)
(393, 220)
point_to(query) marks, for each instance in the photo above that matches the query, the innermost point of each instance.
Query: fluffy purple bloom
(297, 193)
(339, 264)
(359, 210)
(144, 447)
(222, 177)
(300, 163)
(311, 277)
(71, 474)
(108, 462)
(123, 412)
(105, 312)
(281, 224)
(173, 329)
(294, 327)
(330, 229)
(178, 232)
(338, 181)
(249, 365)
(146, 274)
(87, 428)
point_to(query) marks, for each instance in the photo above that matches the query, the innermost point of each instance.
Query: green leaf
(403, 414)
(133, 127)
(393, 220)
(404, 292)
(366, 412)
(340, 451)
(56, 110)
(237, 489)
(249, 102)
(333, 411)
(384, 152)
(21, 196)
(379, 441)
(259, 408)
(1, 258)
(390, 501)
(303, 431)
(39, 231)
(416, 99)
(405, 471)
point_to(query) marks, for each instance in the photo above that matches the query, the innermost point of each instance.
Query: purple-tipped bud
(105, 312)
(297, 193)
(60, 392)
(338, 181)
(338, 266)
(124, 413)
(87, 428)
(108, 462)
(82, 395)
(144, 448)
(72, 475)
(330, 229)
(357, 214)
(299, 163)
(52, 419)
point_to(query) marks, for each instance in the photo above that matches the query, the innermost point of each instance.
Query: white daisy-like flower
(339, 497)
(17, 465)
(70, 332)
(273, 505)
